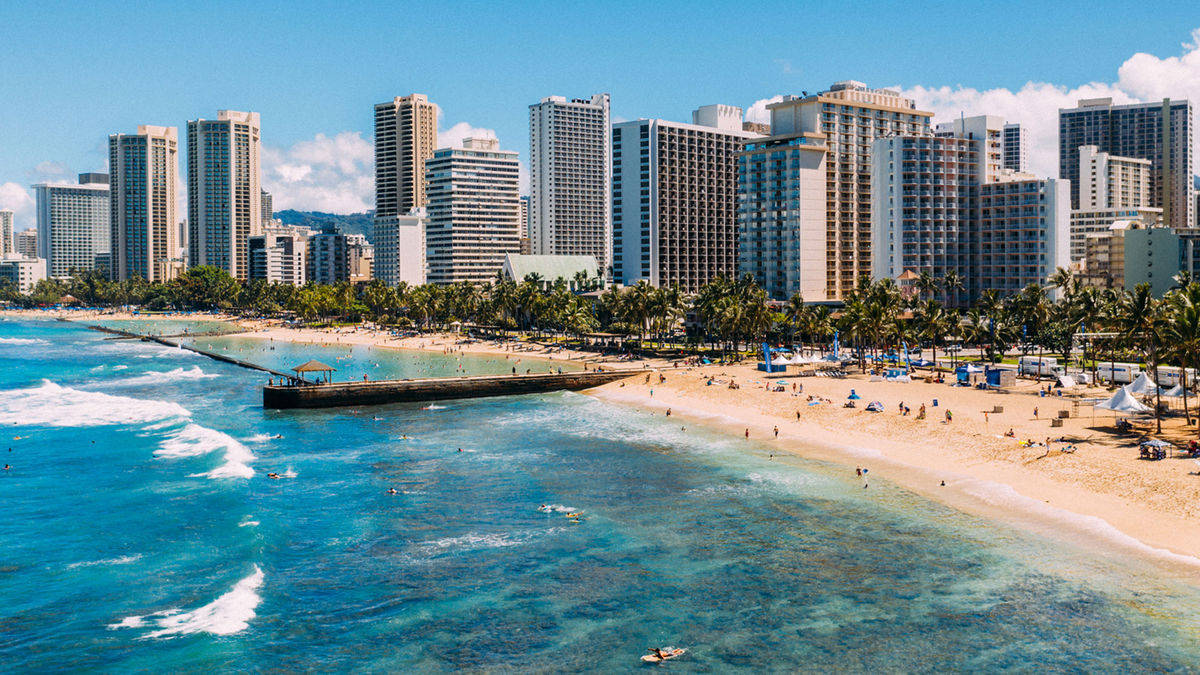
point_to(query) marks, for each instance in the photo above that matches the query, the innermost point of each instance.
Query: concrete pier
(433, 389)
(167, 342)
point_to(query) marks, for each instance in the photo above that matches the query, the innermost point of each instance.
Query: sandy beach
(986, 472)
(1092, 486)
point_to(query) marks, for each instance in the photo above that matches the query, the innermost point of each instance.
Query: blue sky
(74, 73)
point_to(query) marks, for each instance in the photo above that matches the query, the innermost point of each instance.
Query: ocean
(140, 531)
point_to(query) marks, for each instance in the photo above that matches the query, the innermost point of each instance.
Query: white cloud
(1143, 77)
(757, 112)
(331, 174)
(48, 169)
(454, 136)
(16, 198)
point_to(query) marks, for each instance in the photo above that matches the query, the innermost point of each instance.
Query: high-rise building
(360, 259)
(925, 207)
(280, 254)
(1024, 232)
(989, 131)
(1111, 182)
(8, 245)
(1161, 132)
(144, 170)
(473, 211)
(1016, 147)
(570, 178)
(674, 196)
(400, 248)
(268, 207)
(781, 214)
(26, 243)
(224, 190)
(850, 116)
(406, 132)
(524, 220)
(1111, 189)
(72, 226)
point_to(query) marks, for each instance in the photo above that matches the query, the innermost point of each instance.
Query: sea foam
(193, 440)
(52, 405)
(160, 377)
(22, 341)
(231, 613)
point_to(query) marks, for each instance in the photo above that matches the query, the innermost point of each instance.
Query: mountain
(349, 223)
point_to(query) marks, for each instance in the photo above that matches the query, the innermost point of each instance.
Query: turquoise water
(141, 532)
(167, 325)
(352, 362)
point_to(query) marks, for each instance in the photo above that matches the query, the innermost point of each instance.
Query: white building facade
(72, 226)
(473, 211)
(400, 248)
(674, 199)
(570, 177)
(23, 272)
(280, 254)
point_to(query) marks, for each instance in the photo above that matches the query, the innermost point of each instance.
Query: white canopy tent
(1174, 392)
(1123, 402)
(1142, 385)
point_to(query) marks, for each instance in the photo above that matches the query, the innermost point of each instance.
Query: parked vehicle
(1117, 373)
(1045, 366)
(1169, 376)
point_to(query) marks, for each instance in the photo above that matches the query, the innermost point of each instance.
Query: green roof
(549, 267)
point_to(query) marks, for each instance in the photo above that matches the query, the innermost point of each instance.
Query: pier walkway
(167, 341)
(434, 389)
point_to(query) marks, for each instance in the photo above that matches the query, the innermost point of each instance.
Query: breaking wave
(52, 405)
(231, 613)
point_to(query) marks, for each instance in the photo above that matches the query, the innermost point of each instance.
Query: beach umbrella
(1156, 443)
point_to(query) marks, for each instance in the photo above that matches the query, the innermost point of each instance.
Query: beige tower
(405, 137)
(851, 116)
(143, 171)
(224, 190)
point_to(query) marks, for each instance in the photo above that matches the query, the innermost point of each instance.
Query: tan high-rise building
(224, 190)
(143, 171)
(7, 243)
(851, 117)
(405, 137)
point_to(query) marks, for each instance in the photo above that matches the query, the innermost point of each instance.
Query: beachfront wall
(432, 389)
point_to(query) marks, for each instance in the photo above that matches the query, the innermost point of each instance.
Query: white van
(1117, 373)
(1046, 366)
(1169, 376)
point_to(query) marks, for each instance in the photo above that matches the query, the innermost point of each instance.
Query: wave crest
(231, 613)
(52, 405)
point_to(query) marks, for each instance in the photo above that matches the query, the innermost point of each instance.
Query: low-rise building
(579, 272)
(400, 248)
(21, 271)
(280, 254)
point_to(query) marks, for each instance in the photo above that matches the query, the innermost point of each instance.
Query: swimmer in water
(392, 491)
(273, 476)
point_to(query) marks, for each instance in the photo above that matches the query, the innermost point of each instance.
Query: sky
(73, 73)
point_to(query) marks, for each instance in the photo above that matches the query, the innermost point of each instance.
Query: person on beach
(668, 412)
(777, 431)
(1035, 412)
(949, 417)
(747, 433)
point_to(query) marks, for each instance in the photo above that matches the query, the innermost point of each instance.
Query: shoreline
(978, 480)
(1098, 495)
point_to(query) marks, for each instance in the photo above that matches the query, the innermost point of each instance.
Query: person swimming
(391, 491)
(273, 476)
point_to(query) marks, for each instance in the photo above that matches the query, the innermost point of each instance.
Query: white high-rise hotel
(143, 171)
(570, 177)
(474, 208)
(224, 190)
(72, 225)
(675, 198)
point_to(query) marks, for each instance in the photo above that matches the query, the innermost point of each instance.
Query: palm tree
(926, 283)
(1183, 335)
(1141, 322)
(952, 283)
(934, 322)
